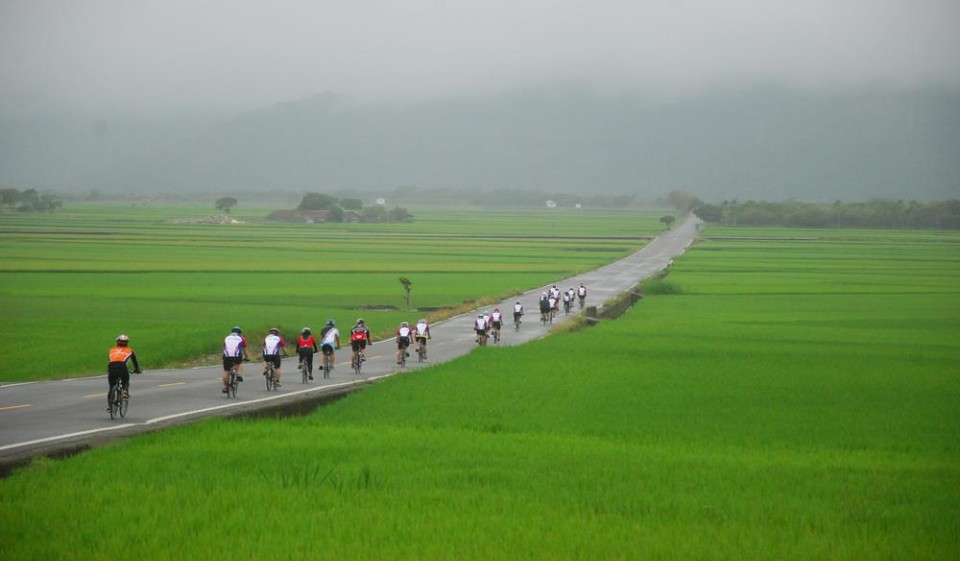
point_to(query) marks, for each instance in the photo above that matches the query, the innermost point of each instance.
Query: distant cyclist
(582, 294)
(330, 341)
(480, 327)
(359, 339)
(404, 337)
(273, 345)
(117, 366)
(517, 312)
(567, 301)
(421, 333)
(306, 347)
(544, 306)
(496, 322)
(234, 353)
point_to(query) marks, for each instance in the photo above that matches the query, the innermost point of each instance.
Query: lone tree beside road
(668, 220)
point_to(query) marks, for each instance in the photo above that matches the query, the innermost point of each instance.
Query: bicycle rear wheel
(326, 366)
(114, 402)
(122, 406)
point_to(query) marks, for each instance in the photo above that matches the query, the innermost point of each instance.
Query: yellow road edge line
(171, 384)
(104, 394)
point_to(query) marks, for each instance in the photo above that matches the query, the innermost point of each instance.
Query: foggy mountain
(761, 144)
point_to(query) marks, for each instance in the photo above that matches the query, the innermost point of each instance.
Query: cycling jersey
(331, 336)
(423, 330)
(496, 317)
(480, 324)
(404, 332)
(310, 342)
(272, 345)
(233, 345)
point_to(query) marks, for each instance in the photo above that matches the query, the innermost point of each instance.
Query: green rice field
(790, 396)
(75, 279)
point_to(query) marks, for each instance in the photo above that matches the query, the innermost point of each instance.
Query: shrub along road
(58, 416)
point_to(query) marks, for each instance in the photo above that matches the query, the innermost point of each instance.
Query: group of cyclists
(551, 300)
(274, 345)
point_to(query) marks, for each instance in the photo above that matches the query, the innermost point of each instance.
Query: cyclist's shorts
(516, 315)
(358, 345)
(421, 338)
(403, 342)
(326, 349)
(497, 325)
(231, 361)
(305, 352)
(272, 359)
(480, 331)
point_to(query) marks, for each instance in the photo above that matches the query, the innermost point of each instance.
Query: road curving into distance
(62, 417)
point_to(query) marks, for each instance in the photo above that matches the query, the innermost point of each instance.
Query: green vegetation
(176, 287)
(873, 214)
(798, 399)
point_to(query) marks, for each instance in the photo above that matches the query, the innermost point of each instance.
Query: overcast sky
(158, 56)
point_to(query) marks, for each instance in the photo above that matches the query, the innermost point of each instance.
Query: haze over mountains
(768, 144)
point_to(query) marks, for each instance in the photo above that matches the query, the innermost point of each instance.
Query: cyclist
(582, 294)
(359, 339)
(234, 353)
(421, 333)
(517, 312)
(306, 347)
(273, 345)
(117, 366)
(496, 322)
(480, 327)
(544, 306)
(404, 335)
(567, 301)
(330, 340)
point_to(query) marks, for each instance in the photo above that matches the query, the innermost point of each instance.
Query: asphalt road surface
(44, 417)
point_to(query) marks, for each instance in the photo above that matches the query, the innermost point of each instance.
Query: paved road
(42, 417)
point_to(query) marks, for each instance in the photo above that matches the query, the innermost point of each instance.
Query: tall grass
(729, 421)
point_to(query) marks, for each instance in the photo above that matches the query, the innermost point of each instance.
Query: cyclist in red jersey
(306, 348)
(359, 339)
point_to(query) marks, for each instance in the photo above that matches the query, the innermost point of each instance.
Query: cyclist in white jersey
(421, 333)
(330, 341)
(480, 327)
(273, 345)
(404, 336)
(234, 353)
(517, 311)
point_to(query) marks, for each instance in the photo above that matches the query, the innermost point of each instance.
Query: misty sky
(159, 56)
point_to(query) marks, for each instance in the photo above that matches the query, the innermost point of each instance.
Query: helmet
(496, 309)
(236, 330)
(422, 320)
(330, 322)
(518, 301)
(359, 320)
(122, 340)
(305, 331)
(274, 331)
(404, 324)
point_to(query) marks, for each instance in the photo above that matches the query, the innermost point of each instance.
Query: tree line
(29, 200)
(941, 215)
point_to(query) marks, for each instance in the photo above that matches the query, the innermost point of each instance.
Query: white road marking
(12, 407)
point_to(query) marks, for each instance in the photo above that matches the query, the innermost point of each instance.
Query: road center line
(171, 384)
(12, 407)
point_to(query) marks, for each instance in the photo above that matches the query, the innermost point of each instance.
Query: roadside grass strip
(713, 422)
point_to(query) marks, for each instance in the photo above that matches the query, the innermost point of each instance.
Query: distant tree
(668, 220)
(9, 196)
(317, 201)
(224, 204)
(709, 213)
(400, 214)
(351, 204)
(406, 289)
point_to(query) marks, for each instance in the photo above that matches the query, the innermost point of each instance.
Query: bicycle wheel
(303, 372)
(114, 401)
(122, 406)
(326, 366)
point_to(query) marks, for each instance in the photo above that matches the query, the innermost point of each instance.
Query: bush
(657, 286)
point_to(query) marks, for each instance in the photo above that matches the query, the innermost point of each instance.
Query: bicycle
(358, 363)
(421, 349)
(271, 377)
(482, 339)
(516, 323)
(326, 365)
(566, 306)
(581, 300)
(232, 382)
(304, 371)
(118, 400)
(403, 357)
(496, 335)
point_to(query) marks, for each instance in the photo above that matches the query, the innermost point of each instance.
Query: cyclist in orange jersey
(117, 365)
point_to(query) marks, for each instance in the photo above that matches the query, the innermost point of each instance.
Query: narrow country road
(43, 417)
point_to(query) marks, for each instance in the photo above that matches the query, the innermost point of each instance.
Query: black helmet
(236, 330)
(274, 331)
(305, 331)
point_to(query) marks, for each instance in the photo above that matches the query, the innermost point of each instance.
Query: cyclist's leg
(112, 377)
(125, 376)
